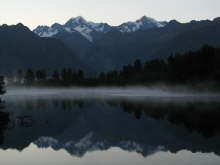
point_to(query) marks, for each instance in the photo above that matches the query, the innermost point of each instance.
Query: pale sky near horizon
(46, 12)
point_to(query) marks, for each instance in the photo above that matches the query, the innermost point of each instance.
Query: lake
(111, 126)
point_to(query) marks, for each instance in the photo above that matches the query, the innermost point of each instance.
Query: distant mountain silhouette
(192, 40)
(145, 39)
(20, 48)
(116, 49)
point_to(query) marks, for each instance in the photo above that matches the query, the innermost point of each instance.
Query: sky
(46, 12)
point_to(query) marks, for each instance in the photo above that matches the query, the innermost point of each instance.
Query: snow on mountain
(90, 143)
(90, 29)
(45, 31)
(85, 31)
(76, 148)
(77, 24)
(73, 22)
(101, 27)
(142, 24)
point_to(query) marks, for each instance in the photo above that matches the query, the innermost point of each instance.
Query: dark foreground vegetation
(197, 67)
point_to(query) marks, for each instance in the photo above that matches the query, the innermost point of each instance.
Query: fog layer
(105, 93)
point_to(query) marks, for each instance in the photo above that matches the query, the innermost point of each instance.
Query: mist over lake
(133, 93)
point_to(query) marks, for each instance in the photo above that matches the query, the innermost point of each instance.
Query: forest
(192, 67)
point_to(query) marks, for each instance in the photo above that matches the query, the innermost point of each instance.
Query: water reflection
(81, 126)
(4, 120)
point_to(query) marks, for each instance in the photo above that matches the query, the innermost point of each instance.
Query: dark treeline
(188, 68)
(2, 90)
(64, 77)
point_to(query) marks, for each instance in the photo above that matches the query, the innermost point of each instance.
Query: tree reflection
(201, 117)
(4, 120)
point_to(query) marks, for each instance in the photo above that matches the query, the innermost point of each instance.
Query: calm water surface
(111, 127)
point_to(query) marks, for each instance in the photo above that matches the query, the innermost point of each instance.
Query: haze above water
(120, 126)
(107, 93)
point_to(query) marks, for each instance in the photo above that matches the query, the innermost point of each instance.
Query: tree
(41, 75)
(69, 75)
(137, 65)
(2, 84)
(81, 74)
(64, 75)
(56, 75)
(19, 76)
(29, 77)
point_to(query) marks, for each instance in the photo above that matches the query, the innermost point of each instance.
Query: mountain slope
(76, 42)
(20, 48)
(116, 49)
(191, 40)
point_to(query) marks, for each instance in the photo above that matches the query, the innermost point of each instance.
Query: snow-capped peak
(45, 31)
(76, 21)
(75, 24)
(148, 20)
(91, 30)
(79, 19)
(141, 24)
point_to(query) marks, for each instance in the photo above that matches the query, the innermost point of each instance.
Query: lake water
(132, 126)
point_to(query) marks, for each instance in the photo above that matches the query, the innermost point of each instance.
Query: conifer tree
(2, 85)
(29, 77)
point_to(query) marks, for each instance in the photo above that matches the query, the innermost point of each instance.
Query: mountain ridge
(88, 29)
(20, 48)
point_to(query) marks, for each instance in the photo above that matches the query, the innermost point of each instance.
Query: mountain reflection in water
(81, 126)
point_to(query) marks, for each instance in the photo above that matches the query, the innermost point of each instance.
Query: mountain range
(80, 34)
(82, 44)
(92, 31)
(104, 47)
